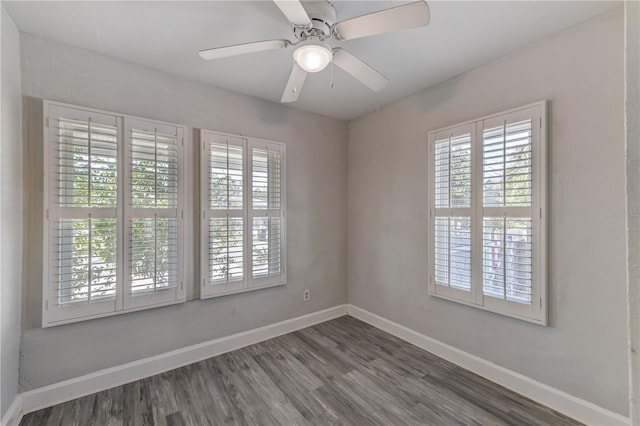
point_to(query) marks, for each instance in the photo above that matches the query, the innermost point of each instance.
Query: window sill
(47, 324)
(542, 321)
(222, 293)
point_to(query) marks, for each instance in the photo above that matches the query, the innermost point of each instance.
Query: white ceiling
(168, 35)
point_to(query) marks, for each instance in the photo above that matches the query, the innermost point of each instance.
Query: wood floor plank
(343, 407)
(296, 390)
(341, 372)
(283, 363)
(278, 404)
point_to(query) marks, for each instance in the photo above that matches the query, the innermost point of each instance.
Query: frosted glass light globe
(312, 57)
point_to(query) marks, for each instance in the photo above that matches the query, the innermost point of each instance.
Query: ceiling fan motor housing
(323, 16)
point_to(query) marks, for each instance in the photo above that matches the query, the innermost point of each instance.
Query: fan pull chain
(331, 83)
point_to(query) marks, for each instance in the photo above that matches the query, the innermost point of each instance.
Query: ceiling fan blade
(294, 85)
(294, 12)
(398, 18)
(241, 49)
(359, 70)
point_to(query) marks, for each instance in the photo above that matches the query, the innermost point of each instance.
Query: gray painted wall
(316, 211)
(10, 212)
(584, 350)
(632, 124)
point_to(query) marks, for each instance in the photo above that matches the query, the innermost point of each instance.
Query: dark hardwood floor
(338, 372)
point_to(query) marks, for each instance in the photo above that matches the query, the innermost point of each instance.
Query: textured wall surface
(316, 211)
(10, 212)
(632, 127)
(584, 350)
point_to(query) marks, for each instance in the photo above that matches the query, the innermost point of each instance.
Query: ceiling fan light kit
(314, 24)
(313, 56)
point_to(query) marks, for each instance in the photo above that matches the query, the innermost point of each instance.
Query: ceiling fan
(314, 24)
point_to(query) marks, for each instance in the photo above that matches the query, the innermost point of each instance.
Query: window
(243, 227)
(487, 181)
(113, 214)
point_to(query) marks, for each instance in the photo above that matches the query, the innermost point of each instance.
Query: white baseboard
(556, 399)
(67, 390)
(14, 412)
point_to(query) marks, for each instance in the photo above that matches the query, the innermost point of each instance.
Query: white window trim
(57, 316)
(537, 312)
(248, 283)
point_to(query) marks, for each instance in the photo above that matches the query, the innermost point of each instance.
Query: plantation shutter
(153, 213)
(112, 228)
(266, 213)
(487, 189)
(451, 215)
(223, 194)
(242, 199)
(81, 243)
(511, 211)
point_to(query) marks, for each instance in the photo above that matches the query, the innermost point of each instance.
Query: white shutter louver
(87, 155)
(226, 164)
(226, 250)
(86, 258)
(154, 257)
(506, 259)
(507, 165)
(154, 169)
(442, 250)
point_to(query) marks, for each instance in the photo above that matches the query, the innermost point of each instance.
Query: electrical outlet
(306, 295)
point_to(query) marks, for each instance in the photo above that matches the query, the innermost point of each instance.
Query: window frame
(248, 282)
(537, 311)
(52, 316)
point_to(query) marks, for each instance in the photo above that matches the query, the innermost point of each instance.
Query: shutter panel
(267, 214)
(153, 216)
(507, 193)
(226, 250)
(154, 169)
(226, 165)
(506, 259)
(86, 258)
(506, 165)
(224, 219)
(87, 155)
(442, 250)
(452, 184)
(154, 257)
(82, 229)
(243, 230)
